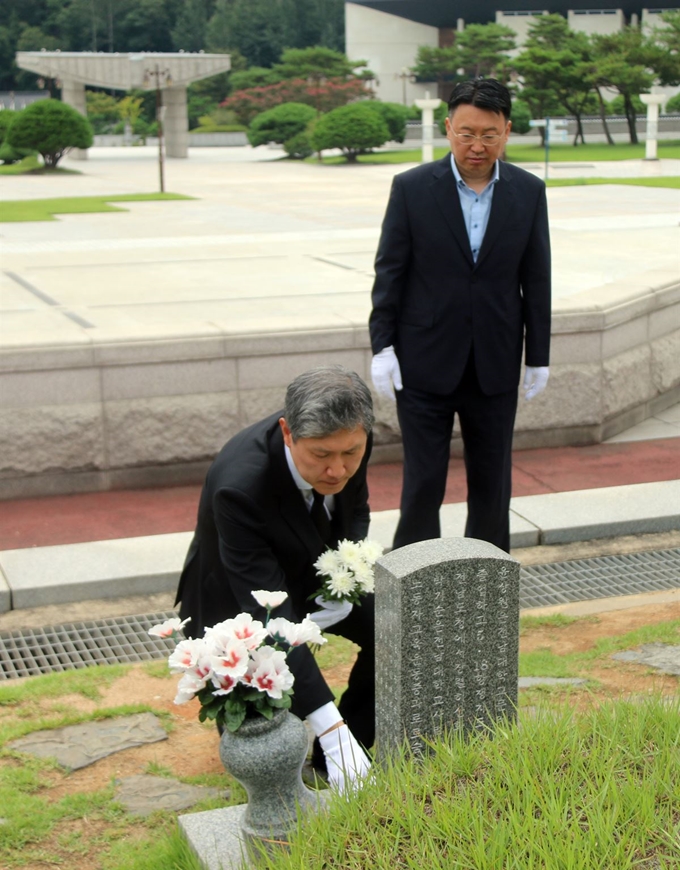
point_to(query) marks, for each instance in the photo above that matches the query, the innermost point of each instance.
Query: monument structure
(169, 74)
(446, 640)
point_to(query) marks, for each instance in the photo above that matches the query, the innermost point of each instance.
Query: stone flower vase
(266, 757)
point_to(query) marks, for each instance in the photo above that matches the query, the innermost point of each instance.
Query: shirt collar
(300, 482)
(495, 175)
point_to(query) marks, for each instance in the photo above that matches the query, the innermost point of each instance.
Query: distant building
(388, 33)
(20, 99)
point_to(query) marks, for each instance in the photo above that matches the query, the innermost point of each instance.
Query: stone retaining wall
(142, 413)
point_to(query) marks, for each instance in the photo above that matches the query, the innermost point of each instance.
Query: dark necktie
(320, 517)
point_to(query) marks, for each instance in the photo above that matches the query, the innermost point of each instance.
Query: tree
(254, 27)
(51, 128)
(667, 38)
(324, 97)
(623, 61)
(484, 49)
(102, 111)
(558, 60)
(354, 129)
(316, 63)
(438, 65)
(189, 32)
(280, 123)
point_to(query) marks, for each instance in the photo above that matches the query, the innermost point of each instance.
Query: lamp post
(159, 76)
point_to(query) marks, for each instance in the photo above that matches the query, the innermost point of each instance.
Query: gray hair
(325, 400)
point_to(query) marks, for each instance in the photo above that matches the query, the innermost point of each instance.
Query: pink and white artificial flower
(191, 682)
(267, 599)
(168, 628)
(269, 672)
(243, 627)
(232, 659)
(295, 633)
(186, 654)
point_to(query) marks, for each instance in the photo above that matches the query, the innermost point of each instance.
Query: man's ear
(287, 435)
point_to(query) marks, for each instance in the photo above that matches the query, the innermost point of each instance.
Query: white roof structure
(124, 71)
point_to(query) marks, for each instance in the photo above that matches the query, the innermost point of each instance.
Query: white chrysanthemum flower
(270, 600)
(328, 563)
(363, 575)
(349, 552)
(341, 584)
(371, 550)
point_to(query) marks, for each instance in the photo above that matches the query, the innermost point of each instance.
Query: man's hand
(535, 380)
(346, 761)
(331, 612)
(385, 373)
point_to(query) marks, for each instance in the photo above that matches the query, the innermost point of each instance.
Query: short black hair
(484, 94)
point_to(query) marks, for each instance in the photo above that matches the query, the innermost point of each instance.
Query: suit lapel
(443, 186)
(501, 208)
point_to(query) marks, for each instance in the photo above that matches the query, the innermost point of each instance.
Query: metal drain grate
(126, 639)
(601, 577)
(30, 652)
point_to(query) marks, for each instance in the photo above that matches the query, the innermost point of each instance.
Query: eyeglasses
(486, 139)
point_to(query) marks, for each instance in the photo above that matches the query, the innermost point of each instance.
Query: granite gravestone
(447, 640)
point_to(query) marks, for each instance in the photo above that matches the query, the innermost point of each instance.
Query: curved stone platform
(134, 345)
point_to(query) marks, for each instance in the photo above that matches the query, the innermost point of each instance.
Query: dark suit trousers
(486, 424)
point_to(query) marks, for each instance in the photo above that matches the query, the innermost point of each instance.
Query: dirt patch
(192, 748)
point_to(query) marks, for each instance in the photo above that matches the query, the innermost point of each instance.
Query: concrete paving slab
(5, 594)
(215, 837)
(563, 517)
(664, 657)
(151, 564)
(77, 746)
(143, 795)
(99, 569)
(523, 533)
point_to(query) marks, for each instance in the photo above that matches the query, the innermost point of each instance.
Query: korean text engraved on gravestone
(446, 640)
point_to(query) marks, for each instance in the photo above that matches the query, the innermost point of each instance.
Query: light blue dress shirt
(476, 207)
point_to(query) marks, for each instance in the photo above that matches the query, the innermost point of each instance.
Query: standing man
(276, 496)
(462, 282)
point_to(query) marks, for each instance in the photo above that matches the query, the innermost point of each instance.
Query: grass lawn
(518, 153)
(45, 209)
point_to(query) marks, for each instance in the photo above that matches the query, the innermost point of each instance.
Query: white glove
(535, 379)
(331, 612)
(346, 761)
(385, 373)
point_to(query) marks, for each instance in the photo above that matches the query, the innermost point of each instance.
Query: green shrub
(521, 115)
(299, 146)
(616, 106)
(394, 115)
(441, 113)
(354, 129)
(51, 128)
(8, 154)
(280, 124)
(673, 105)
(219, 128)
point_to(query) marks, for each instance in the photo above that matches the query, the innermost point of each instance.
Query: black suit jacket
(432, 302)
(254, 531)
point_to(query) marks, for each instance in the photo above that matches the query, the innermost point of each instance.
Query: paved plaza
(269, 245)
